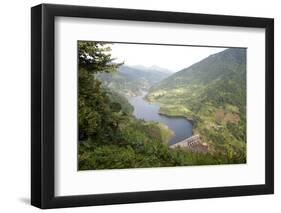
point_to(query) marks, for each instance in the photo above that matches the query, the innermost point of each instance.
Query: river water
(181, 127)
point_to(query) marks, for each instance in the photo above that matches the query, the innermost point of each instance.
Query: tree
(95, 113)
(95, 57)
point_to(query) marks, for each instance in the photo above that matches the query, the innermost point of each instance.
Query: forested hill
(208, 70)
(213, 93)
(133, 80)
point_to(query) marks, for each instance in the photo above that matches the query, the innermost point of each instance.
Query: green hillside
(132, 81)
(212, 93)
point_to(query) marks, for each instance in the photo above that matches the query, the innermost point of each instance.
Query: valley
(139, 116)
(133, 80)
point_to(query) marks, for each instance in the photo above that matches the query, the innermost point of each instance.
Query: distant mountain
(152, 68)
(212, 92)
(131, 80)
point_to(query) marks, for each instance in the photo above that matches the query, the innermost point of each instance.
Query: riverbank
(176, 116)
(177, 111)
(149, 111)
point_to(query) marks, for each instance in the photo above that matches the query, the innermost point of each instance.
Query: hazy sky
(173, 58)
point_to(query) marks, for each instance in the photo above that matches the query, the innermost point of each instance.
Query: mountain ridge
(213, 93)
(131, 81)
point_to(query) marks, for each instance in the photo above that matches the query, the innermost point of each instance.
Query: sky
(173, 58)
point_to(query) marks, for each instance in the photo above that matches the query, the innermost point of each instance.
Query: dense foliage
(109, 136)
(95, 113)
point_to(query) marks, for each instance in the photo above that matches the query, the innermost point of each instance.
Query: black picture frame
(43, 102)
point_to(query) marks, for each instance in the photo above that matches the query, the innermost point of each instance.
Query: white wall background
(15, 105)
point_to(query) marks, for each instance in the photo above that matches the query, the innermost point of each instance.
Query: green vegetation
(116, 97)
(111, 138)
(212, 93)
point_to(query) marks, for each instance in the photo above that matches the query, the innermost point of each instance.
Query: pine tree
(95, 114)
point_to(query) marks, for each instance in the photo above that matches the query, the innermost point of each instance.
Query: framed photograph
(139, 106)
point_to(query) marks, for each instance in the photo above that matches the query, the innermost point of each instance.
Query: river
(143, 109)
